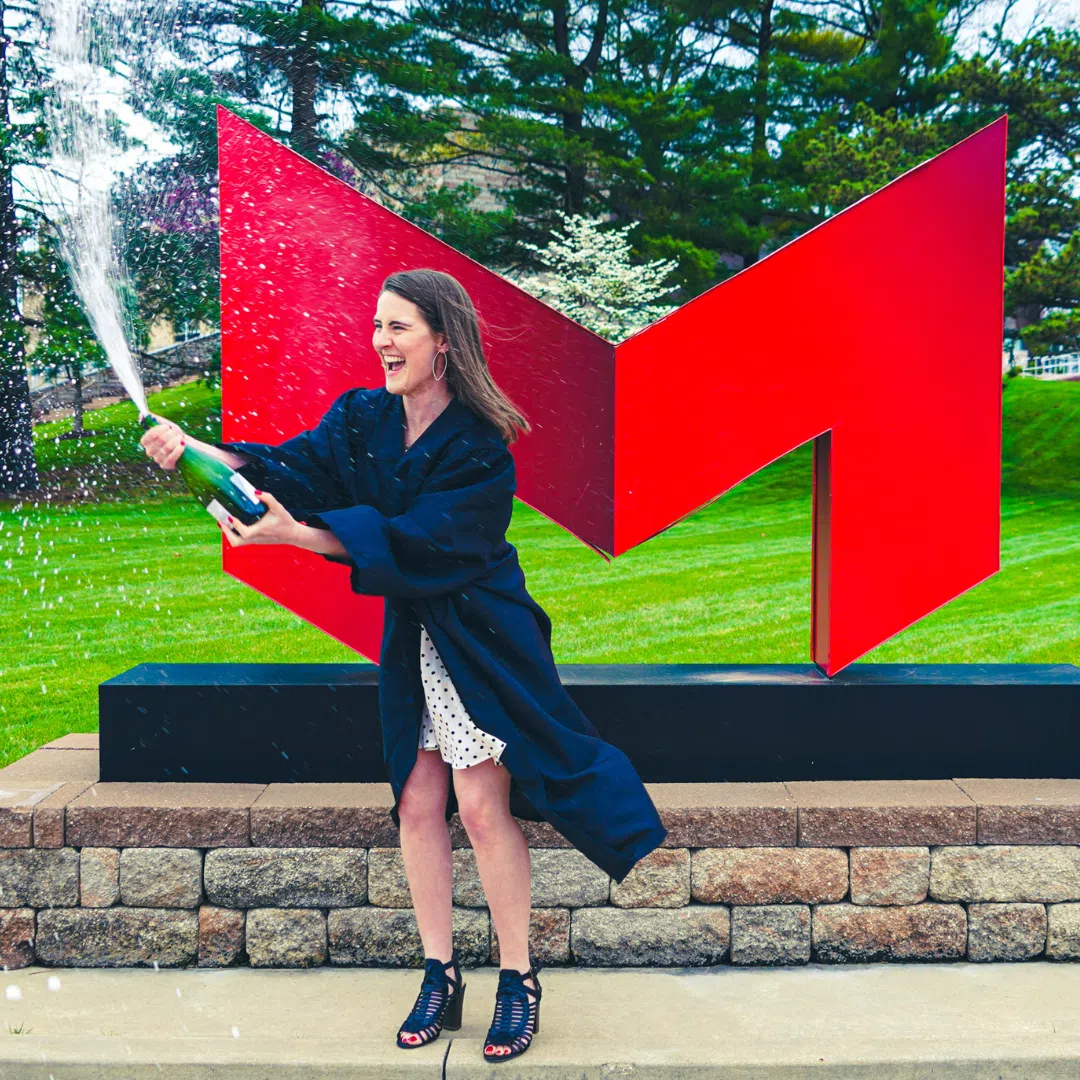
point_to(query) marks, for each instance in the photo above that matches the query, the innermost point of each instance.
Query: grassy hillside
(90, 587)
(1041, 438)
(1040, 447)
(110, 463)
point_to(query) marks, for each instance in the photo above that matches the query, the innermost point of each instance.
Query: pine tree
(1037, 82)
(285, 69)
(21, 141)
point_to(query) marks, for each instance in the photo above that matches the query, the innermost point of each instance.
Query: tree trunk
(574, 202)
(1026, 314)
(304, 79)
(18, 470)
(77, 405)
(759, 149)
(573, 120)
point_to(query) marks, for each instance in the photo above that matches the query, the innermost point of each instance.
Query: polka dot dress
(445, 725)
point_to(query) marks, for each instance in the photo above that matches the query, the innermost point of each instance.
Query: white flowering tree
(589, 277)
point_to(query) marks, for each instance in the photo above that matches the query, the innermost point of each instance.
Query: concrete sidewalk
(856, 1021)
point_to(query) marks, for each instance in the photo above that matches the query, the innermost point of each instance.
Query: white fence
(1061, 366)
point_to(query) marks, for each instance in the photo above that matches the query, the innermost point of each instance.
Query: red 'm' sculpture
(876, 334)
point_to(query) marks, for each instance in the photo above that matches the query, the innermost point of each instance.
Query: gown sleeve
(451, 534)
(304, 472)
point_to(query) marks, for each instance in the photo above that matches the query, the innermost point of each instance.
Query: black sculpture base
(265, 723)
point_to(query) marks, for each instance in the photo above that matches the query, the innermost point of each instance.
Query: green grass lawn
(90, 587)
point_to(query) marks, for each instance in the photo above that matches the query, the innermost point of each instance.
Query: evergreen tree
(778, 75)
(723, 127)
(22, 141)
(1037, 81)
(598, 110)
(507, 87)
(691, 117)
(284, 68)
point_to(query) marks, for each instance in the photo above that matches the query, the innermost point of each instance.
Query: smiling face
(406, 345)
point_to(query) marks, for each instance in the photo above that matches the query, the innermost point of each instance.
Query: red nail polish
(230, 521)
(258, 492)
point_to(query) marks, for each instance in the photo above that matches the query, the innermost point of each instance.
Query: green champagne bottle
(223, 491)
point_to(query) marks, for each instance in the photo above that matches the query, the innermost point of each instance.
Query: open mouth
(393, 364)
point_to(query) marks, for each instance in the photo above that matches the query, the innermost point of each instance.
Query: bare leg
(502, 858)
(425, 849)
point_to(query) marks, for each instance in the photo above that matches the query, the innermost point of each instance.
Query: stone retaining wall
(300, 875)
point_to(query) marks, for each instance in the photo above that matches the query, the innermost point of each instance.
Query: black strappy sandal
(517, 1018)
(435, 1007)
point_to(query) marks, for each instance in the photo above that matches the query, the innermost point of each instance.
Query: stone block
(388, 937)
(39, 878)
(117, 937)
(763, 876)
(285, 937)
(1006, 931)
(468, 892)
(549, 937)
(1005, 874)
(695, 815)
(16, 937)
(564, 877)
(387, 884)
(16, 826)
(696, 935)
(770, 934)
(1026, 811)
(660, 880)
(179, 815)
(848, 933)
(221, 936)
(49, 814)
(884, 876)
(286, 877)
(99, 877)
(726, 815)
(1063, 932)
(882, 813)
(51, 764)
(17, 802)
(538, 834)
(324, 815)
(161, 877)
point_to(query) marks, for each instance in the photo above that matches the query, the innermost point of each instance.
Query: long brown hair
(448, 310)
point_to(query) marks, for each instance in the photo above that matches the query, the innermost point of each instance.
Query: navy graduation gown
(425, 528)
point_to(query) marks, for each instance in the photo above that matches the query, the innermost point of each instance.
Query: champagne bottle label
(217, 511)
(245, 486)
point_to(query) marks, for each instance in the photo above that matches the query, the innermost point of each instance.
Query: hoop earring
(442, 353)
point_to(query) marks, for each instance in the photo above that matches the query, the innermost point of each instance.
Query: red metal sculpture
(876, 334)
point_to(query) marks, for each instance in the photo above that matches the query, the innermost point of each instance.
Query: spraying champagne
(222, 490)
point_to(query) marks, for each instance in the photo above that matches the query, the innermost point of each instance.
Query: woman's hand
(164, 442)
(276, 526)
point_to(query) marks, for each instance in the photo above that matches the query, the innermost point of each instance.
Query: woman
(412, 486)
